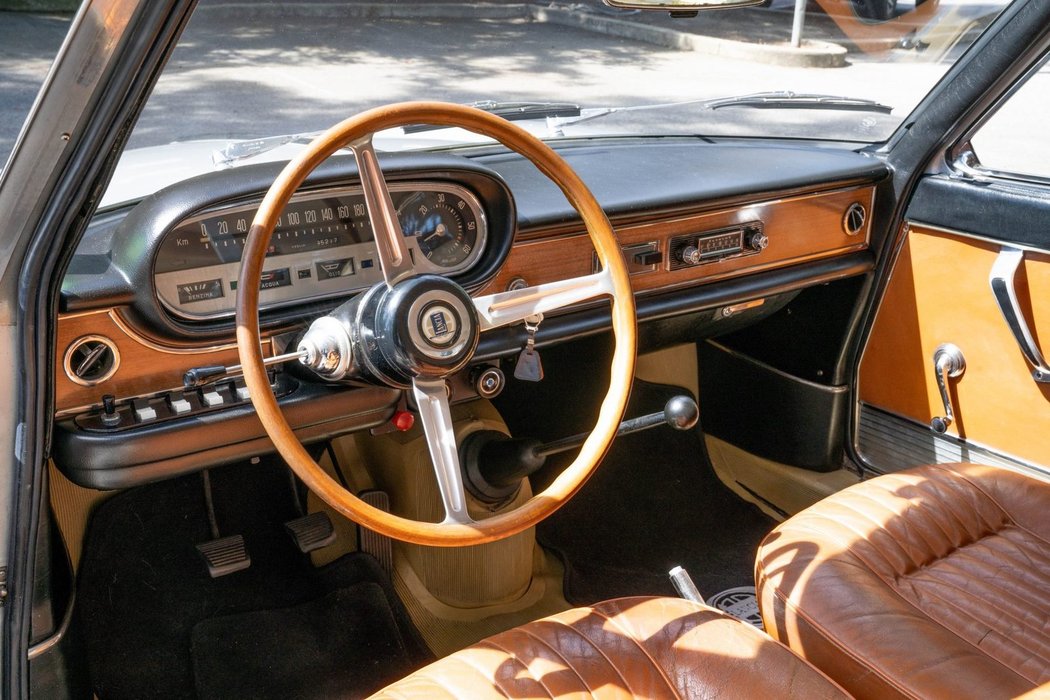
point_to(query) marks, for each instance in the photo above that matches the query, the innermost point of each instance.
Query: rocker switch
(210, 397)
(178, 403)
(144, 412)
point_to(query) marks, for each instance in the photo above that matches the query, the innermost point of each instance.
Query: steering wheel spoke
(432, 400)
(394, 257)
(505, 308)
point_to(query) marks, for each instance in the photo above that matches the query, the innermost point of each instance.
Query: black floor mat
(143, 587)
(329, 647)
(654, 503)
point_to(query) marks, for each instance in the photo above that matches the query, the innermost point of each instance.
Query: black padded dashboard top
(630, 177)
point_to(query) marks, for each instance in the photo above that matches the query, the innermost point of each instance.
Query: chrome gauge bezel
(224, 270)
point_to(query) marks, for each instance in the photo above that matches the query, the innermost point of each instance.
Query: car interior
(628, 417)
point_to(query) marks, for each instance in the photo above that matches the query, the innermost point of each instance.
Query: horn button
(427, 326)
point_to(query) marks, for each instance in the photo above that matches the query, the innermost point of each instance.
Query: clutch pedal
(222, 555)
(311, 531)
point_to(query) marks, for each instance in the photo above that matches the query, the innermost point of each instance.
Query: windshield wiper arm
(792, 100)
(234, 151)
(512, 111)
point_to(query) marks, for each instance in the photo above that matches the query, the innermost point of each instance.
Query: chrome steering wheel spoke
(394, 258)
(432, 399)
(505, 308)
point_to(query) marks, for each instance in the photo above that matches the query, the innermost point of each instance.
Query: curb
(818, 54)
(815, 54)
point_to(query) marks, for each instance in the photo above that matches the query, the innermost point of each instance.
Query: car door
(954, 367)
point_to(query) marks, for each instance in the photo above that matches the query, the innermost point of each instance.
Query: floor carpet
(652, 504)
(148, 609)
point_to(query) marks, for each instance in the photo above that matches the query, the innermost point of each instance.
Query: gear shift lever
(494, 464)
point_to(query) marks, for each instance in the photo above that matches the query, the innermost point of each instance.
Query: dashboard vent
(91, 360)
(854, 219)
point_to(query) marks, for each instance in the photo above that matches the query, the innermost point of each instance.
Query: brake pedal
(222, 555)
(311, 531)
(371, 542)
(225, 555)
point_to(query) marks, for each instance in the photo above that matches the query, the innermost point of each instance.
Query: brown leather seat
(631, 647)
(929, 583)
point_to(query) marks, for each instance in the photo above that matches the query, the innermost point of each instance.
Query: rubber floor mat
(344, 644)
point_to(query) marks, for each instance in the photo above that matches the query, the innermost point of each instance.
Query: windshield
(244, 72)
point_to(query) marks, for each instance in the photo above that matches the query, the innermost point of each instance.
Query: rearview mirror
(679, 5)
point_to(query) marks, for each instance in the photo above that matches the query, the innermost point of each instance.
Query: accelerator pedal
(225, 555)
(311, 531)
(370, 542)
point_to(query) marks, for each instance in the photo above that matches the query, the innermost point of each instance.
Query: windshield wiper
(759, 100)
(511, 111)
(792, 100)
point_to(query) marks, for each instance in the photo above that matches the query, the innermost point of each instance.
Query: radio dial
(690, 255)
(758, 241)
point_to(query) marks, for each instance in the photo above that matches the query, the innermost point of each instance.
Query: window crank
(948, 363)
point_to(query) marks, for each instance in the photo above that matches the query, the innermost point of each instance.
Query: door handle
(948, 363)
(1003, 288)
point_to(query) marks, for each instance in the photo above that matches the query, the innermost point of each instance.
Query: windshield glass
(245, 72)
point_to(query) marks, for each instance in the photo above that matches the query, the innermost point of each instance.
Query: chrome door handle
(1005, 292)
(948, 363)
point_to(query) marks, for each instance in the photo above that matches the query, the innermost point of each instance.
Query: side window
(28, 43)
(1015, 139)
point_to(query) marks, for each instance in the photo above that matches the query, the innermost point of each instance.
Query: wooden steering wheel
(412, 358)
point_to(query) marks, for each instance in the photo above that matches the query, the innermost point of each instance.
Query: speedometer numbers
(443, 225)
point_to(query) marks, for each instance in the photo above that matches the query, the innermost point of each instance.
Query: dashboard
(150, 292)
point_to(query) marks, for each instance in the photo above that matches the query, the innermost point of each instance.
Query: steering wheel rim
(357, 132)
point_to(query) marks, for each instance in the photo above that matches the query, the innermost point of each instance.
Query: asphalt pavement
(234, 75)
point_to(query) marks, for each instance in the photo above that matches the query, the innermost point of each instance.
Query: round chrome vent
(91, 359)
(854, 219)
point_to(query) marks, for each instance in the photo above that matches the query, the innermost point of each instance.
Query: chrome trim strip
(890, 442)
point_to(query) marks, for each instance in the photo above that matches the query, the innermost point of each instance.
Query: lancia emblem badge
(439, 325)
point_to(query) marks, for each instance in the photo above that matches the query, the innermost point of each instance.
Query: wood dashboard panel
(800, 228)
(144, 367)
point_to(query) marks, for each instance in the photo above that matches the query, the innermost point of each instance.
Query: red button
(403, 420)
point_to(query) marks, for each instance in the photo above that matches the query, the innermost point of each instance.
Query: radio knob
(758, 241)
(690, 255)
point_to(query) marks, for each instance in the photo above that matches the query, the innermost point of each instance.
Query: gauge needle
(436, 233)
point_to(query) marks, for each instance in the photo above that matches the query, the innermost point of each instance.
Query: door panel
(939, 292)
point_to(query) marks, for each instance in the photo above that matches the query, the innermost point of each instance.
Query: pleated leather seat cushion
(928, 583)
(625, 648)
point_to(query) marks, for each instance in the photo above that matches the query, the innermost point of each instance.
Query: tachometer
(444, 225)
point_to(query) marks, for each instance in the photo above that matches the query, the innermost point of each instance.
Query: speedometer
(444, 225)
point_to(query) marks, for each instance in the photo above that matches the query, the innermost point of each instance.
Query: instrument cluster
(322, 246)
